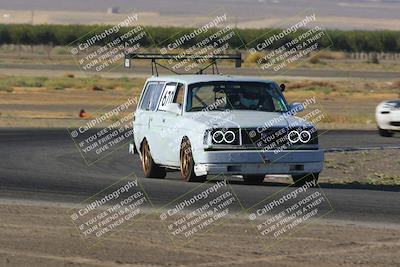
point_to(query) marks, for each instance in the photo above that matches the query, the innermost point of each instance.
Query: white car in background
(216, 124)
(387, 117)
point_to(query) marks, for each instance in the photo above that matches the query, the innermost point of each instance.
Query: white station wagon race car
(387, 116)
(220, 124)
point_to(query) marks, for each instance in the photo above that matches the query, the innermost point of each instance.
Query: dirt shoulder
(371, 167)
(44, 236)
(41, 107)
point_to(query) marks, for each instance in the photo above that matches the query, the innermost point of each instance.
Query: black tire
(385, 133)
(301, 179)
(150, 168)
(187, 163)
(253, 179)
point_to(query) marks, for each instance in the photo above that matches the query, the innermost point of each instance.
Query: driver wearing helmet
(249, 99)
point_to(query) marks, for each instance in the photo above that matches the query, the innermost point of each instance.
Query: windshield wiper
(205, 108)
(218, 109)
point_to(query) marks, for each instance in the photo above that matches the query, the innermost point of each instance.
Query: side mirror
(173, 108)
(282, 86)
(298, 107)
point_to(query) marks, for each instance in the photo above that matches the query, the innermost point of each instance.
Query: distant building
(113, 10)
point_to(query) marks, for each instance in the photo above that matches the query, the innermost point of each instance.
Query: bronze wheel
(146, 158)
(186, 158)
(150, 168)
(187, 163)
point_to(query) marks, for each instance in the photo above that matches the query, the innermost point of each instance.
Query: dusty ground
(366, 167)
(44, 236)
(39, 107)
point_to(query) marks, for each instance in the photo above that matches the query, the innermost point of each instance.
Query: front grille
(267, 139)
(395, 123)
(277, 138)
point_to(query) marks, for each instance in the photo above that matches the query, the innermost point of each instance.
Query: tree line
(64, 35)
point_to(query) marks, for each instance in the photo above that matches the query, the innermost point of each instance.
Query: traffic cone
(83, 114)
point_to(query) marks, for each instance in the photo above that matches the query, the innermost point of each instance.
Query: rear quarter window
(151, 95)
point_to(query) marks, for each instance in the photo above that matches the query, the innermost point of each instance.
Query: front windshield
(395, 103)
(235, 96)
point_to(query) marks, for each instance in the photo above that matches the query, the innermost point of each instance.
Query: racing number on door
(168, 96)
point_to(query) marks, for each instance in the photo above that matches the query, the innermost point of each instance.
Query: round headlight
(305, 136)
(293, 137)
(218, 137)
(229, 137)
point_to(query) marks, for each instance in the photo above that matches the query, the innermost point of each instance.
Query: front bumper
(389, 121)
(259, 162)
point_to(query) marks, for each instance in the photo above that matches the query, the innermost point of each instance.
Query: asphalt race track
(45, 165)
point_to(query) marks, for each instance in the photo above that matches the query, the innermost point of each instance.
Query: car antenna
(177, 57)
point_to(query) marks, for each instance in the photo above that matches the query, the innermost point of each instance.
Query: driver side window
(173, 93)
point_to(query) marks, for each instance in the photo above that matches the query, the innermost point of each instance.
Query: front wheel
(187, 163)
(150, 168)
(253, 179)
(302, 179)
(385, 133)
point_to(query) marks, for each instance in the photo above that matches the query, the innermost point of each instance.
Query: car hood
(245, 119)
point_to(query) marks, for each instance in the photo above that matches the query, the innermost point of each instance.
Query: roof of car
(206, 78)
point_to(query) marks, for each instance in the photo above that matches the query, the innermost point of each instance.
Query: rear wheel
(253, 179)
(150, 168)
(301, 179)
(385, 133)
(187, 163)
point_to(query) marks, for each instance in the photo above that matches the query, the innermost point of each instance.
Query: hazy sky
(241, 8)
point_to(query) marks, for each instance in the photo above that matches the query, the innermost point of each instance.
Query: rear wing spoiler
(177, 57)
